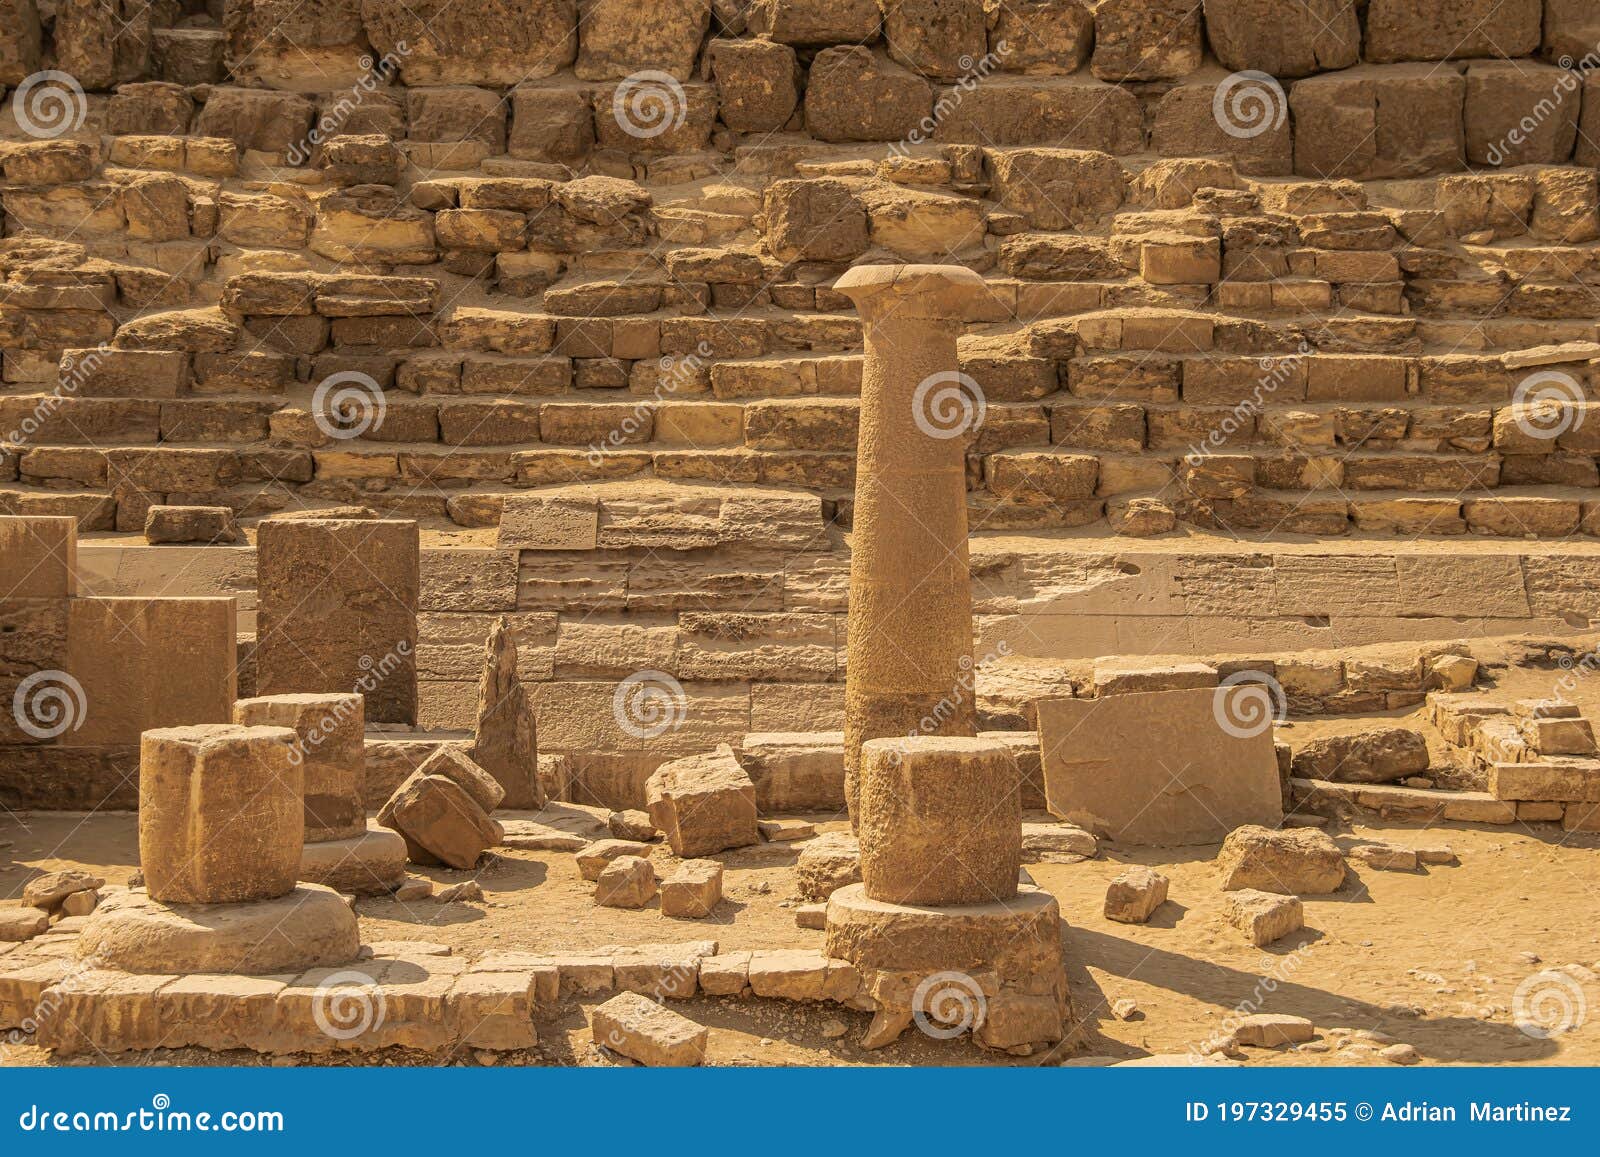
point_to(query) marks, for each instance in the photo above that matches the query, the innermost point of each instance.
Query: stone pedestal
(220, 817)
(910, 620)
(371, 864)
(221, 826)
(939, 821)
(939, 929)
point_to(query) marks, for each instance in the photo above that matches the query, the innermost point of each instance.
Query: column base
(995, 970)
(370, 864)
(310, 927)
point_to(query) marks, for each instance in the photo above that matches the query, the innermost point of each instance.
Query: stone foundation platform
(371, 864)
(310, 927)
(995, 969)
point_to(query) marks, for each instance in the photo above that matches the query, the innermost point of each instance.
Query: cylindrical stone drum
(330, 738)
(220, 817)
(941, 821)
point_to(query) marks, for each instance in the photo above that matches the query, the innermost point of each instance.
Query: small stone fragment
(626, 882)
(693, 890)
(1269, 1030)
(1263, 917)
(638, 1028)
(632, 825)
(592, 860)
(1134, 894)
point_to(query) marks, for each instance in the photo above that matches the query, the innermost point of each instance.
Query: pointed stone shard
(507, 742)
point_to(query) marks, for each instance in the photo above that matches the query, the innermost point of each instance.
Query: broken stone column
(221, 822)
(337, 611)
(910, 621)
(939, 928)
(340, 849)
(506, 744)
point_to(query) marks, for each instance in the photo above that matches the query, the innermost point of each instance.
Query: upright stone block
(506, 743)
(38, 558)
(337, 611)
(910, 621)
(940, 820)
(150, 663)
(330, 747)
(220, 817)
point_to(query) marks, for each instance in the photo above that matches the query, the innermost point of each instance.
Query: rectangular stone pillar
(38, 705)
(337, 611)
(148, 663)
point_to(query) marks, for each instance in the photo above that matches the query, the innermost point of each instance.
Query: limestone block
(757, 83)
(191, 524)
(854, 94)
(1134, 894)
(337, 611)
(939, 820)
(50, 890)
(795, 772)
(827, 863)
(693, 889)
(626, 882)
(816, 22)
(330, 736)
(1147, 39)
(618, 38)
(38, 558)
(593, 859)
(815, 220)
(1299, 861)
(1379, 756)
(647, 1032)
(493, 42)
(316, 47)
(220, 817)
(370, 864)
(1042, 37)
(19, 924)
(436, 815)
(256, 118)
(1263, 917)
(21, 43)
(1425, 30)
(505, 740)
(1284, 38)
(1164, 767)
(937, 38)
(1500, 128)
(703, 804)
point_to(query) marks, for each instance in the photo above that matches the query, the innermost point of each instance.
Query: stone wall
(421, 257)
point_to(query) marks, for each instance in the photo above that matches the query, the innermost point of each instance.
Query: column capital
(946, 292)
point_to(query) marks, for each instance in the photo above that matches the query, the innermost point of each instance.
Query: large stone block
(854, 94)
(1520, 113)
(330, 734)
(703, 804)
(1386, 121)
(20, 41)
(1146, 39)
(937, 38)
(816, 22)
(500, 42)
(338, 611)
(1284, 38)
(1165, 767)
(1071, 113)
(317, 46)
(618, 38)
(436, 815)
(1041, 37)
(1459, 30)
(146, 663)
(815, 220)
(38, 558)
(939, 820)
(1300, 861)
(757, 83)
(220, 817)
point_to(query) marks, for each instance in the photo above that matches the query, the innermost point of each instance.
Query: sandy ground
(1433, 958)
(1430, 958)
